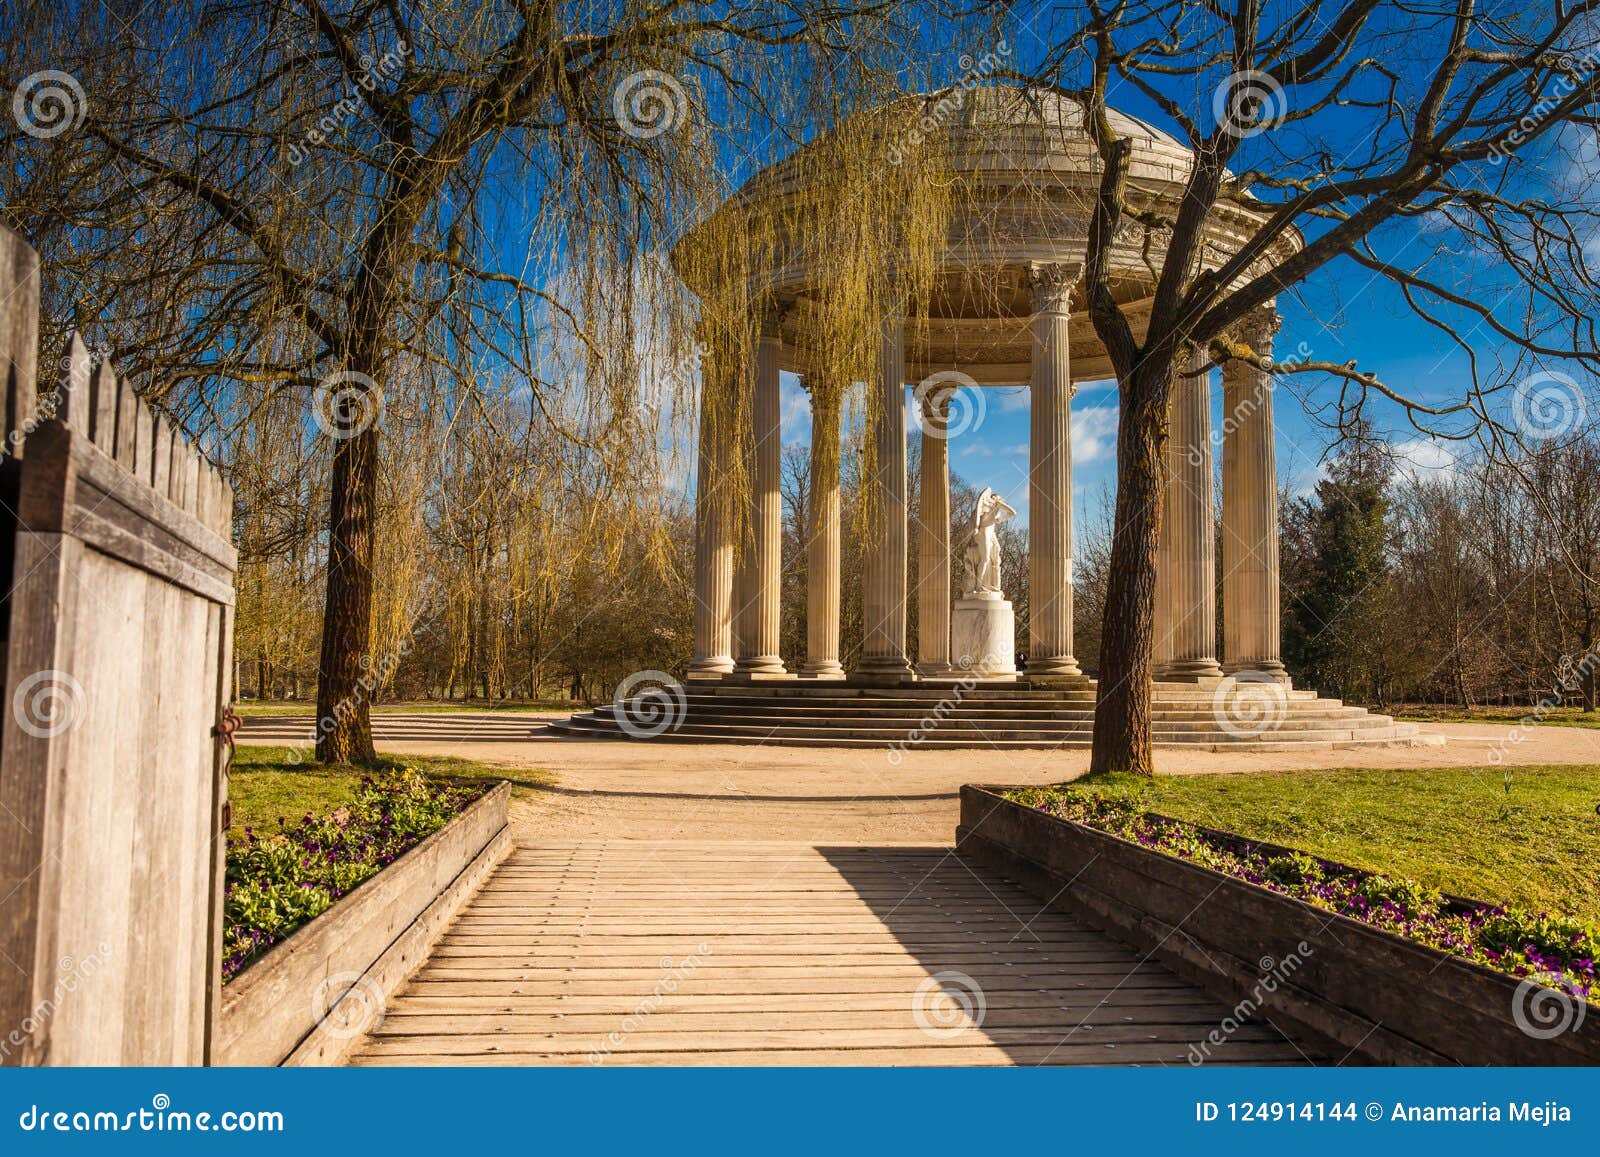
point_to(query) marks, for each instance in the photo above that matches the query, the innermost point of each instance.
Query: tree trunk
(1122, 731)
(344, 727)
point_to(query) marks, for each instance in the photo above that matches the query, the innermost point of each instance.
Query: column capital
(1257, 328)
(772, 319)
(1050, 285)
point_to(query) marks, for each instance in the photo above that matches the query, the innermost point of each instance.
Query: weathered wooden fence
(118, 630)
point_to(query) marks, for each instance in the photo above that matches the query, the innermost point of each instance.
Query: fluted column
(822, 537)
(933, 534)
(1050, 476)
(883, 609)
(714, 544)
(746, 635)
(1189, 530)
(766, 506)
(1250, 624)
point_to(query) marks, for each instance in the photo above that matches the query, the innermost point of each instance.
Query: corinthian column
(1188, 527)
(1250, 507)
(1050, 476)
(714, 545)
(883, 609)
(822, 537)
(933, 538)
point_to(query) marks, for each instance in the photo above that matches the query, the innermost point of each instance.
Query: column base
(1262, 670)
(711, 669)
(1190, 671)
(883, 671)
(1061, 667)
(1078, 682)
(821, 669)
(760, 665)
(934, 670)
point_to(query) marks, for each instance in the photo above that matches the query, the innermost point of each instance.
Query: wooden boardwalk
(682, 952)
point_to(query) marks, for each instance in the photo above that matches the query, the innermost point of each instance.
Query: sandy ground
(629, 790)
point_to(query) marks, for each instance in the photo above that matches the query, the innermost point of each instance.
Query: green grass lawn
(420, 707)
(1459, 830)
(1549, 716)
(266, 786)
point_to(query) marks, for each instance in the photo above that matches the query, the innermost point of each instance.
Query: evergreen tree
(1338, 574)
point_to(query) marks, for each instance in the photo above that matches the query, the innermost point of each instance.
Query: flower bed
(279, 881)
(1557, 951)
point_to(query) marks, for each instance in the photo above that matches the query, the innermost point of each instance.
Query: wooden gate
(113, 779)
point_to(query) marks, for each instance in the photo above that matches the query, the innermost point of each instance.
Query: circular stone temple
(1002, 313)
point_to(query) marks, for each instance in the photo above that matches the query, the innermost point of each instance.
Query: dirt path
(620, 790)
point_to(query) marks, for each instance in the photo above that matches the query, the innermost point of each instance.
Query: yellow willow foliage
(843, 239)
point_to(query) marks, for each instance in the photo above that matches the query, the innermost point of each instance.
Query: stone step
(885, 732)
(1320, 709)
(1397, 736)
(990, 722)
(836, 692)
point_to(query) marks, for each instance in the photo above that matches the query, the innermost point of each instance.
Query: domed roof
(1000, 129)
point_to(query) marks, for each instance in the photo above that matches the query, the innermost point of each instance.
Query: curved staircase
(1230, 716)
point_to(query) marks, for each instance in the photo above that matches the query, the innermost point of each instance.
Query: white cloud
(1424, 458)
(1094, 434)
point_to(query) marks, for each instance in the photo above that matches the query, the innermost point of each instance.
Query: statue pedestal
(983, 635)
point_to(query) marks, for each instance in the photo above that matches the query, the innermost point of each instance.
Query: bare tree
(1348, 137)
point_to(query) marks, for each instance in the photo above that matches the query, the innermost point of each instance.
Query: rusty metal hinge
(227, 727)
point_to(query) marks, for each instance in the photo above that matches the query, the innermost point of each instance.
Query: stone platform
(1228, 715)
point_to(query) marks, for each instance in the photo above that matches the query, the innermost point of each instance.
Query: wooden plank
(215, 818)
(161, 457)
(19, 332)
(31, 816)
(128, 416)
(144, 436)
(186, 466)
(103, 386)
(968, 1055)
(75, 405)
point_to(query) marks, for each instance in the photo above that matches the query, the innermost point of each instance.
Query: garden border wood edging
(1373, 994)
(366, 945)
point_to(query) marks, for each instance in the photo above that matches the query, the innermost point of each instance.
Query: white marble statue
(981, 578)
